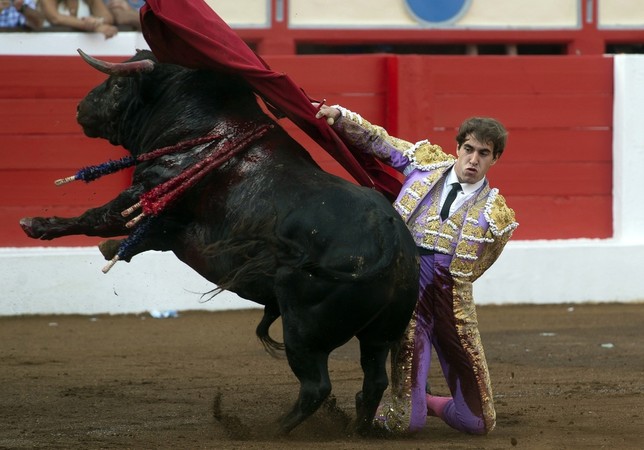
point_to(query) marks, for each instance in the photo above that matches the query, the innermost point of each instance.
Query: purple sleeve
(373, 140)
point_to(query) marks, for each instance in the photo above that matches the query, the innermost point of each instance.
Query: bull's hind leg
(373, 359)
(308, 340)
(376, 341)
(311, 369)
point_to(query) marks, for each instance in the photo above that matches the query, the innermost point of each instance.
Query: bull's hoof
(364, 430)
(356, 427)
(32, 226)
(25, 224)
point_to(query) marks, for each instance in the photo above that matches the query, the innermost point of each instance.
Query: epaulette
(426, 156)
(499, 215)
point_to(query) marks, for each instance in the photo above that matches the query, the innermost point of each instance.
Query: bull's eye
(117, 87)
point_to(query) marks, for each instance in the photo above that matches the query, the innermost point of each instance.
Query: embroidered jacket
(474, 235)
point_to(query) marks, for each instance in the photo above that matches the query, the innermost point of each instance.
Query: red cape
(191, 34)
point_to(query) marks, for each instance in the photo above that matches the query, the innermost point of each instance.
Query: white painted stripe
(628, 148)
(125, 43)
(564, 271)
(69, 281)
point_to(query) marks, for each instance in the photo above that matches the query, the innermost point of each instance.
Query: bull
(259, 218)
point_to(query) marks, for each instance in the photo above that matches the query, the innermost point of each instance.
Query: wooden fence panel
(556, 173)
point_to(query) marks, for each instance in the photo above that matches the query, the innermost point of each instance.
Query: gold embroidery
(426, 154)
(467, 250)
(434, 176)
(419, 188)
(499, 215)
(415, 193)
(405, 206)
(471, 243)
(469, 229)
(433, 234)
(394, 411)
(492, 252)
(460, 268)
(444, 242)
(467, 328)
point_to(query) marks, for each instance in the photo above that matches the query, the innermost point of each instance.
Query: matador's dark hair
(484, 129)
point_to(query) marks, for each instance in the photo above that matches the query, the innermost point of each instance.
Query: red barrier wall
(557, 169)
(556, 172)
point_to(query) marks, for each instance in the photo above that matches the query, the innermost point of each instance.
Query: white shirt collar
(467, 187)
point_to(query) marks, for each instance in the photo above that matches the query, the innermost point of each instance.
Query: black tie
(456, 187)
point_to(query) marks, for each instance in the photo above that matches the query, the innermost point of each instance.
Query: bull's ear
(118, 69)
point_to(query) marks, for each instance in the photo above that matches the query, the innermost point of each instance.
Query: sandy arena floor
(565, 377)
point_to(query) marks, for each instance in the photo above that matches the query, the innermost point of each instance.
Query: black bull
(333, 259)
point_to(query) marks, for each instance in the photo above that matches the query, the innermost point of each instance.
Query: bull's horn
(118, 69)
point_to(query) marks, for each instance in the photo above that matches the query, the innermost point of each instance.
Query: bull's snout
(85, 118)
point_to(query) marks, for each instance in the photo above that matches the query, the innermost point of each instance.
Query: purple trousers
(441, 323)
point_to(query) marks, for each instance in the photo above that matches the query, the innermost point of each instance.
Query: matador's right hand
(332, 114)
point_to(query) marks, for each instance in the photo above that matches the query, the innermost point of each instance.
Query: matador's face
(474, 159)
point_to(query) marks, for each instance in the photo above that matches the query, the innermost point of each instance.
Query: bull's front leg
(104, 221)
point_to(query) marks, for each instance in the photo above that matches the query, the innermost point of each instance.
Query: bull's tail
(272, 347)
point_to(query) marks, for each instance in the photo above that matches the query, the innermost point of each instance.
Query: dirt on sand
(564, 377)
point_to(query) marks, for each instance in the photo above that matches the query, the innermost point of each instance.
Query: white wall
(70, 281)
(65, 44)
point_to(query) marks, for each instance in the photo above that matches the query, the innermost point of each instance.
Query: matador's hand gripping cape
(191, 34)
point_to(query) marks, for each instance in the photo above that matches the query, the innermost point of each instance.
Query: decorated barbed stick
(110, 264)
(157, 199)
(91, 173)
(131, 209)
(183, 145)
(151, 202)
(163, 188)
(126, 248)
